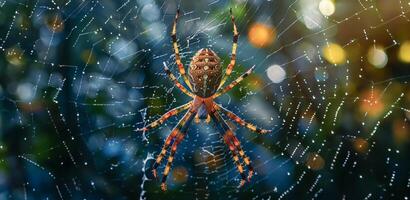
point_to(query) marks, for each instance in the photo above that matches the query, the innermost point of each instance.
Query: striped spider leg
(240, 121)
(233, 53)
(175, 138)
(234, 146)
(181, 67)
(233, 83)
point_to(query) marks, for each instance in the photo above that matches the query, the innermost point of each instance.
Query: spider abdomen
(205, 73)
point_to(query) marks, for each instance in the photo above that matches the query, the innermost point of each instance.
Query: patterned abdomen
(205, 73)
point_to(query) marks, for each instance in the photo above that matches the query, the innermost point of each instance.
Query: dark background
(78, 77)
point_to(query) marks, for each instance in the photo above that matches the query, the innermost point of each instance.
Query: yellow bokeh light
(14, 56)
(334, 53)
(327, 7)
(88, 57)
(404, 52)
(377, 57)
(261, 35)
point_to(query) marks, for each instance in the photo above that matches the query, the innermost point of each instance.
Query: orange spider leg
(233, 83)
(233, 54)
(233, 143)
(179, 85)
(169, 140)
(167, 143)
(240, 121)
(235, 157)
(176, 51)
(167, 169)
(166, 116)
(241, 153)
(181, 129)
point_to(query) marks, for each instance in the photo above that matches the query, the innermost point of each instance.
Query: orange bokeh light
(55, 23)
(261, 35)
(401, 132)
(314, 161)
(371, 103)
(360, 145)
(180, 174)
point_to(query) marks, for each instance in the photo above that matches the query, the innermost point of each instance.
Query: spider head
(205, 72)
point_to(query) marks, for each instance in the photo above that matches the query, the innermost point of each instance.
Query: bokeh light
(314, 161)
(377, 57)
(261, 35)
(371, 103)
(404, 52)
(401, 132)
(276, 73)
(55, 23)
(14, 56)
(360, 145)
(25, 91)
(310, 14)
(180, 174)
(334, 53)
(88, 57)
(327, 7)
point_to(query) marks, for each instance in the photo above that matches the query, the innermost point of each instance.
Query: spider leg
(160, 156)
(242, 154)
(176, 51)
(240, 121)
(233, 54)
(233, 143)
(236, 160)
(165, 116)
(179, 85)
(180, 130)
(233, 83)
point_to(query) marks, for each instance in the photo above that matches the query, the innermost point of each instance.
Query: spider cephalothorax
(204, 83)
(205, 73)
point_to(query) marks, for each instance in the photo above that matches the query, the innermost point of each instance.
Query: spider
(205, 81)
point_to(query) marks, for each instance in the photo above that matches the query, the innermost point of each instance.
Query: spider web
(80, 77)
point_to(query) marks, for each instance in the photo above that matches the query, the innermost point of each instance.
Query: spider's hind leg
(179, 131)
(234, 146)
(243, 155)
(160, 156)
(235, 157)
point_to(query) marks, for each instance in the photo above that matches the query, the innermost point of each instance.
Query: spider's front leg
(181, 67)
(233, 83)
(175, 81)
(233, 54)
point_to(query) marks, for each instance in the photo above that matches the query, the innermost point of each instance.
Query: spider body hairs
(205, 81)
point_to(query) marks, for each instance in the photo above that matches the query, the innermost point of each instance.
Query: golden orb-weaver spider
(205, 82)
